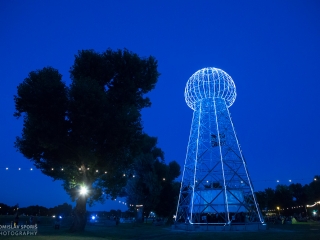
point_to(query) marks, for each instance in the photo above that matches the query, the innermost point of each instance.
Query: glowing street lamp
(278, 210)
(83, 190)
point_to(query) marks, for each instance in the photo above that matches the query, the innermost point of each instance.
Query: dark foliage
(88, 133)
(287, 197)
(153, 183)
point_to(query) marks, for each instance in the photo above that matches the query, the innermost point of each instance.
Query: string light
(97, 170)
(282, 209)
(313, 204)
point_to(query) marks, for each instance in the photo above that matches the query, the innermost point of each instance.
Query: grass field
(303, 231)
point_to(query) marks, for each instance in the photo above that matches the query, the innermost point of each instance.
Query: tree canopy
(153, 183)
(88, 133)
(289, 196)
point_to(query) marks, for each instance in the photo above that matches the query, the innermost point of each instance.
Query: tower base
(220, 228)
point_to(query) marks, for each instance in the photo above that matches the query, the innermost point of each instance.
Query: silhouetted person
(16, 220)
(57, 224)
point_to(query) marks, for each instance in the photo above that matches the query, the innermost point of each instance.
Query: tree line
(289, 196)
(64, 209)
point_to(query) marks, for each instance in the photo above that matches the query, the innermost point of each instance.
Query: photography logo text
(19, 230)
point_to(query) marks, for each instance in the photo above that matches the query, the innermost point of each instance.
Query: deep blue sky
(271, 49)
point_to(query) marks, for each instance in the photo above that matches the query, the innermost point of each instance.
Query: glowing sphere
(209, 83)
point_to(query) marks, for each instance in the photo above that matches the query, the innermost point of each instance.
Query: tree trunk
(79, 215)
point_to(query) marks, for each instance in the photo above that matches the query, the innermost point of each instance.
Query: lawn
(303, 231)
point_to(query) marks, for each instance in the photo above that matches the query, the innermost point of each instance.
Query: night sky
(271, 49)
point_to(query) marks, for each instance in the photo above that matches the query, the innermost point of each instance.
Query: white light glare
(83, 190)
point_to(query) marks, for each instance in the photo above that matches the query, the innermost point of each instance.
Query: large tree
(86, 134)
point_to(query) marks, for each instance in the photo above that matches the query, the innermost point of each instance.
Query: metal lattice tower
(216, 187)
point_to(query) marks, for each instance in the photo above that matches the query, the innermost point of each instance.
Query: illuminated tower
(216, 188)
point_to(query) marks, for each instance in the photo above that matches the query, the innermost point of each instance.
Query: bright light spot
(289, 180)
(51, 169)
(97, 171)
(54, 216)
(79, 169)
(60, 217)
(19, 169)
(278, 181)
(163, 179)
(83, 190)
(31, 169)
(124, 174)
(61, 169)
(7, 168)
(93, 217)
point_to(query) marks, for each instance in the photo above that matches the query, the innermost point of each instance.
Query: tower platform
(252, 227)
